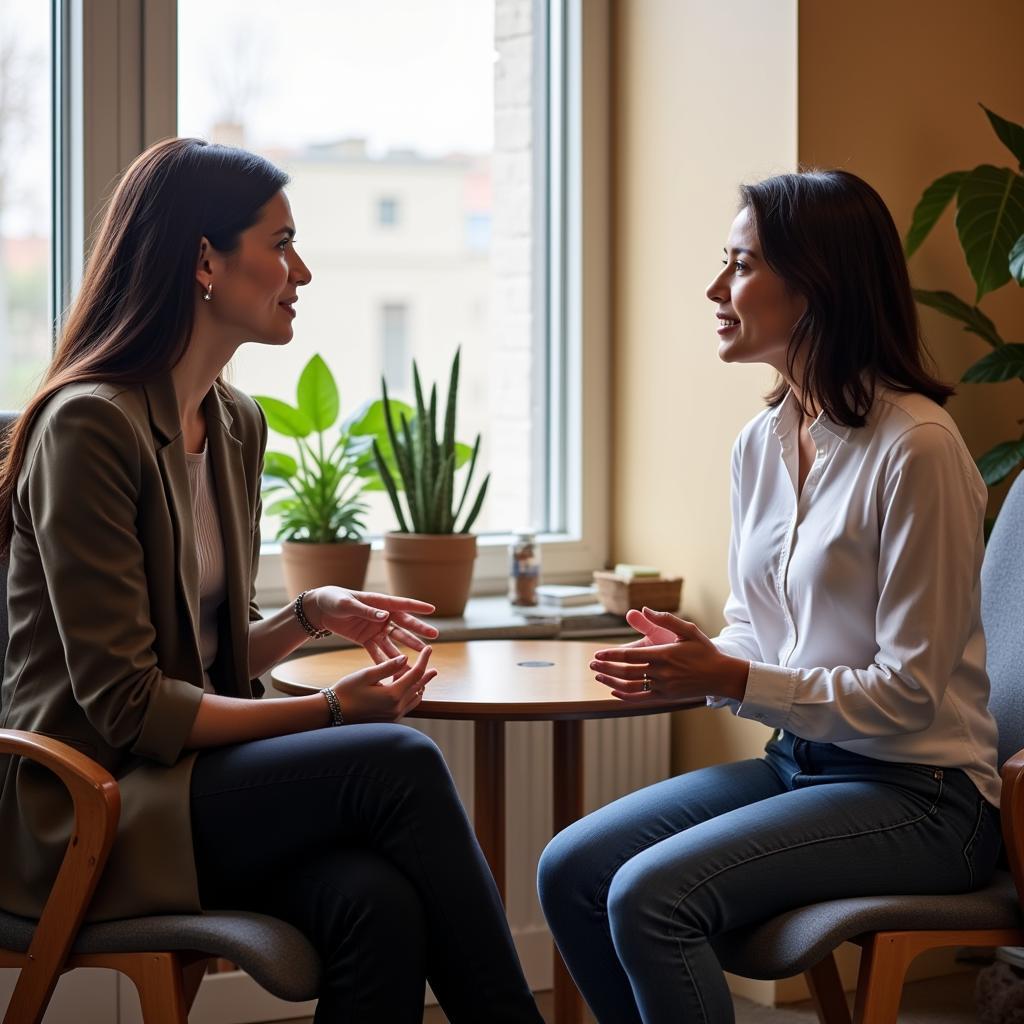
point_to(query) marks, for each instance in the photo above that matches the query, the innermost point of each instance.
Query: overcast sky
(402, 73)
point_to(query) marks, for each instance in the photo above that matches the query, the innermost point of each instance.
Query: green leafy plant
(317, 495)
(990, 226)
(415, 460)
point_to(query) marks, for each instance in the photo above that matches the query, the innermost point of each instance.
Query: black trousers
(356, 835)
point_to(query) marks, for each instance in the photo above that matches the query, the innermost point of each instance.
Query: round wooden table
(491, 682)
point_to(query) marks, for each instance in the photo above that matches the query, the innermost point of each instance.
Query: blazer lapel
(170, 450)
(225, 449)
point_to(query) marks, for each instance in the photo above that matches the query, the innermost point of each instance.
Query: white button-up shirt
(857, 601)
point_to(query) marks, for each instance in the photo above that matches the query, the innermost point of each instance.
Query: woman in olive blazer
(130, 510)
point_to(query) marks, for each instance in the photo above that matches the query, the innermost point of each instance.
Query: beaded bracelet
(314, 633)
(337, 718)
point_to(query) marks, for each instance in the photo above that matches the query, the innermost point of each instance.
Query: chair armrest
(1011, 812)
(97, 806)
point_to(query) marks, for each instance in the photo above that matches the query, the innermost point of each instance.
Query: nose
(717, 291)
(300, 273)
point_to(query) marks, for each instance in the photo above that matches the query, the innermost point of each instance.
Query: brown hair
(830, 237)
(133, 315)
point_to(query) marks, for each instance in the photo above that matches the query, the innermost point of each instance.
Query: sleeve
(932, 507)
(737, 639)
(82, 490)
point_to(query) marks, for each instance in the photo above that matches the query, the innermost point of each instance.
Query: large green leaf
(1017, 261)
(989, 220)
(949, 304)
(1011, 135)
(1004, 363)
(280, 465)
(318, 394)
(283, 418)
(368, 419)
(1000, 462)
(929, 208)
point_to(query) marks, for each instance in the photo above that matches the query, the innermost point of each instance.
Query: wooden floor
(948, 1000)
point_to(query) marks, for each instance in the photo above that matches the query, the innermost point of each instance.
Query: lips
(288, 305)
(726, 323)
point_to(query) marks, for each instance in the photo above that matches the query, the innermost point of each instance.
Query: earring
(208, 294)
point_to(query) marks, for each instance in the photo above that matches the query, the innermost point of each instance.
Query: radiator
(620, 755)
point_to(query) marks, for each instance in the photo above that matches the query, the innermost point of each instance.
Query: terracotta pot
(434, 567)
(319, 565)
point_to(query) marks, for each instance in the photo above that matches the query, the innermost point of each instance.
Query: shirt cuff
(173, 706)
(769, 694)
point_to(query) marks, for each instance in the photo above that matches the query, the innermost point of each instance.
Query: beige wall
(706, 98)
(890, 89)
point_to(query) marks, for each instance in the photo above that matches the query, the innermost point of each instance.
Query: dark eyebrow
(289, 231)
(745, 252)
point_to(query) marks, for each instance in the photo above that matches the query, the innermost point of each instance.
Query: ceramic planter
(307, 566)
(432, 567)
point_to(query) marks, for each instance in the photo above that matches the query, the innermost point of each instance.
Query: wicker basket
(618, 595)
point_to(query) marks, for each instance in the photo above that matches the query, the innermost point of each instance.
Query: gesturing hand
(368, 696)
(673, 659)
(377, 621)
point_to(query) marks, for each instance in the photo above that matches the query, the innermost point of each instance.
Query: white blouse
(858, 602)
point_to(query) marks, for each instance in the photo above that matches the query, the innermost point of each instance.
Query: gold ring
(646, 688)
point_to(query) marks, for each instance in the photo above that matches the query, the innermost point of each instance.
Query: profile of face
(255, 287)
(755, 308)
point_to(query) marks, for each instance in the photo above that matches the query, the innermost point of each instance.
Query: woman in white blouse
(853, 629)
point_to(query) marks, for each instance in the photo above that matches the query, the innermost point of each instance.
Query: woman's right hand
(371, 695)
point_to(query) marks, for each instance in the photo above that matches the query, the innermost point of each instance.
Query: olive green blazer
(103, 601)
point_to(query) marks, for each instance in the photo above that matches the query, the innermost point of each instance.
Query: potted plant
(431, 555)
(317, 494)
(990, 227)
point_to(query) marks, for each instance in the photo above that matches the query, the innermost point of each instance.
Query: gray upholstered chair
(893, 931)
(164, 956)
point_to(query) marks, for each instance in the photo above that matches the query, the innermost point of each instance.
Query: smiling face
(755, 308)
(255, 287)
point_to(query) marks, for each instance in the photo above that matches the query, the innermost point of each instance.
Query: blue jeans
(636, 892)
(357, 837)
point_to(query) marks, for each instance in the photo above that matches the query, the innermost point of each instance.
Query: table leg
(567, 752)
(489, 795)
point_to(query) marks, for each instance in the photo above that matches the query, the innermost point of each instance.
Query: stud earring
(208, 294)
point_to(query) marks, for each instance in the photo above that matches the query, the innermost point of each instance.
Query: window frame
(121, 56)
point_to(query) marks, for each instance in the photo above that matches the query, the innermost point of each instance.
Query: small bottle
(524, 569)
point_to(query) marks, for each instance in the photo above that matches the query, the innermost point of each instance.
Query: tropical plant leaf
(318, 394)
(283, 418)
(1017, 261)
(279, 465)
(999, 462)
(389, 485)
(453, 392)
(1004, 363)
(930, 207)
(1010, 135)
(477, 505)
(952, 306)
(368, 419)
(989, 220)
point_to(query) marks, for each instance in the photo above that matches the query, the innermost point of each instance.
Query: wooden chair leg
(827, 992)
(193, 978)
(159, 980)
(883, 966)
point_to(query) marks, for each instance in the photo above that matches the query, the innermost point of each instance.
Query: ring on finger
(646, 687)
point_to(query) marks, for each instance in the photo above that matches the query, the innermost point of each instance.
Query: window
(459, 122)
(26, 197)
(387, 212)
(394, 343)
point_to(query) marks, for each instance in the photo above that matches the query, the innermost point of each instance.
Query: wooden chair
(892, 931)
(165, 956)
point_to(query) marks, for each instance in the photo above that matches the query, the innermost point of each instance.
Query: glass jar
(523, 569)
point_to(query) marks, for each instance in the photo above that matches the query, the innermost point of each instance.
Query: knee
(416, 753)
(564, 869)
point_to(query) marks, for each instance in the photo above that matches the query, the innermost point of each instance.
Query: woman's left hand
(379, 622)
(673, 660)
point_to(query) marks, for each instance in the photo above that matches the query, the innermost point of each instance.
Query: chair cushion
(792, 942)
(278, 956)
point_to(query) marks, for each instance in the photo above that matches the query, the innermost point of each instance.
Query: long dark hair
(133, 315)
(830, 237)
